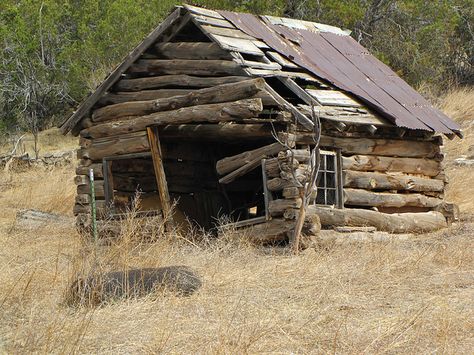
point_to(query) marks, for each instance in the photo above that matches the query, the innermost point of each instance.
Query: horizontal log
(392, 223)
(277, 184)
(428, 167)
(270, 231)
(191, 50)
(83, 199)
(302, 155)
(277, 207)
(244, 169)
(118, 145)
(217, 94)
(385, 147)
(234, 162)
(98, 187)
(357, 197)
(221, 112)
(186, 66)
(274, 166)
(390, 181)
(205, 132)
(113, 98)
(176, 81)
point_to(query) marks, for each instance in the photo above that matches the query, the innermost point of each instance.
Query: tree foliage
(56, 51)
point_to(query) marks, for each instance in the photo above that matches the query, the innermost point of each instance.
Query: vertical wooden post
(161, 183)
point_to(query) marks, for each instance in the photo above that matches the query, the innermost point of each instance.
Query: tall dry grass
(411, 296)
(459, 105)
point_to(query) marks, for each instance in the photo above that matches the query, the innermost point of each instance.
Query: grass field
(412, 295)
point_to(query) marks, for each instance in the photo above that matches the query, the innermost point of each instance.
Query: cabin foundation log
(215, 113)
(357, 197)
(392, 223)
(218, 94)
(381, 181)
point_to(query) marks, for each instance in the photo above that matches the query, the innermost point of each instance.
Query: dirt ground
(410, 295)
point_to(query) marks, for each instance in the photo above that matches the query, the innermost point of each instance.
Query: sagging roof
(327, 53)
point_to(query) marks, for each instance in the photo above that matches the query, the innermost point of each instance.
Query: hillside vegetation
(407, 294)
(54, 52)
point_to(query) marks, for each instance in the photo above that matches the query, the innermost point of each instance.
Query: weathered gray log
(390, 181)
(428, 167)
(176, 81)
(393, 223)
(252, 164)
(302, 155)
(96, 168)
(234, 162)
(217, 94)
(191, 50)
(275, 166)
(96, 289)
(386, 147)
(222, 112)
(186, 66)
(98, 187)
(277, 207)
(252, 132)
(270, 231)
(277, 184)
(117, 145)
(113, 98)
(357, 197)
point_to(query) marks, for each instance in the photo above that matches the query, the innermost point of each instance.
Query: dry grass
(411, 296)
(459, 104)
(404, 296)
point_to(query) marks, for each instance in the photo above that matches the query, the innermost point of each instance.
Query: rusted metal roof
(340, 60)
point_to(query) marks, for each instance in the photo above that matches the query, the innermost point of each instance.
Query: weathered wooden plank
(187, 67)
(238, 45)
(217, 94)
(203, 12)
(359, 197)
(221, 112)
(390, 181)
(155, 148)
(86, 105)
(282, 60)
(205, 20)
(251, 165)
(393, 223)
(333, 98)
(191, 50)
(426, 167)
(227, 32)
(176, 81)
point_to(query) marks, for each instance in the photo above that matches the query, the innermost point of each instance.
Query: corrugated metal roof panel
(342, 61)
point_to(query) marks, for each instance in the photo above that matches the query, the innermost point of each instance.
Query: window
(329, 187)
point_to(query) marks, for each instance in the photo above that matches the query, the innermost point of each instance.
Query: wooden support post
(161, 183)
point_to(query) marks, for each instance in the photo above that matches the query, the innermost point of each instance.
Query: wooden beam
(217, 113)
(118, 145)
(174, 81)
(217, 94)
(155, 147)
(86, 105)
(252, 164)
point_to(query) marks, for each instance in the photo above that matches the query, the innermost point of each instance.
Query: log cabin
(218, 113)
